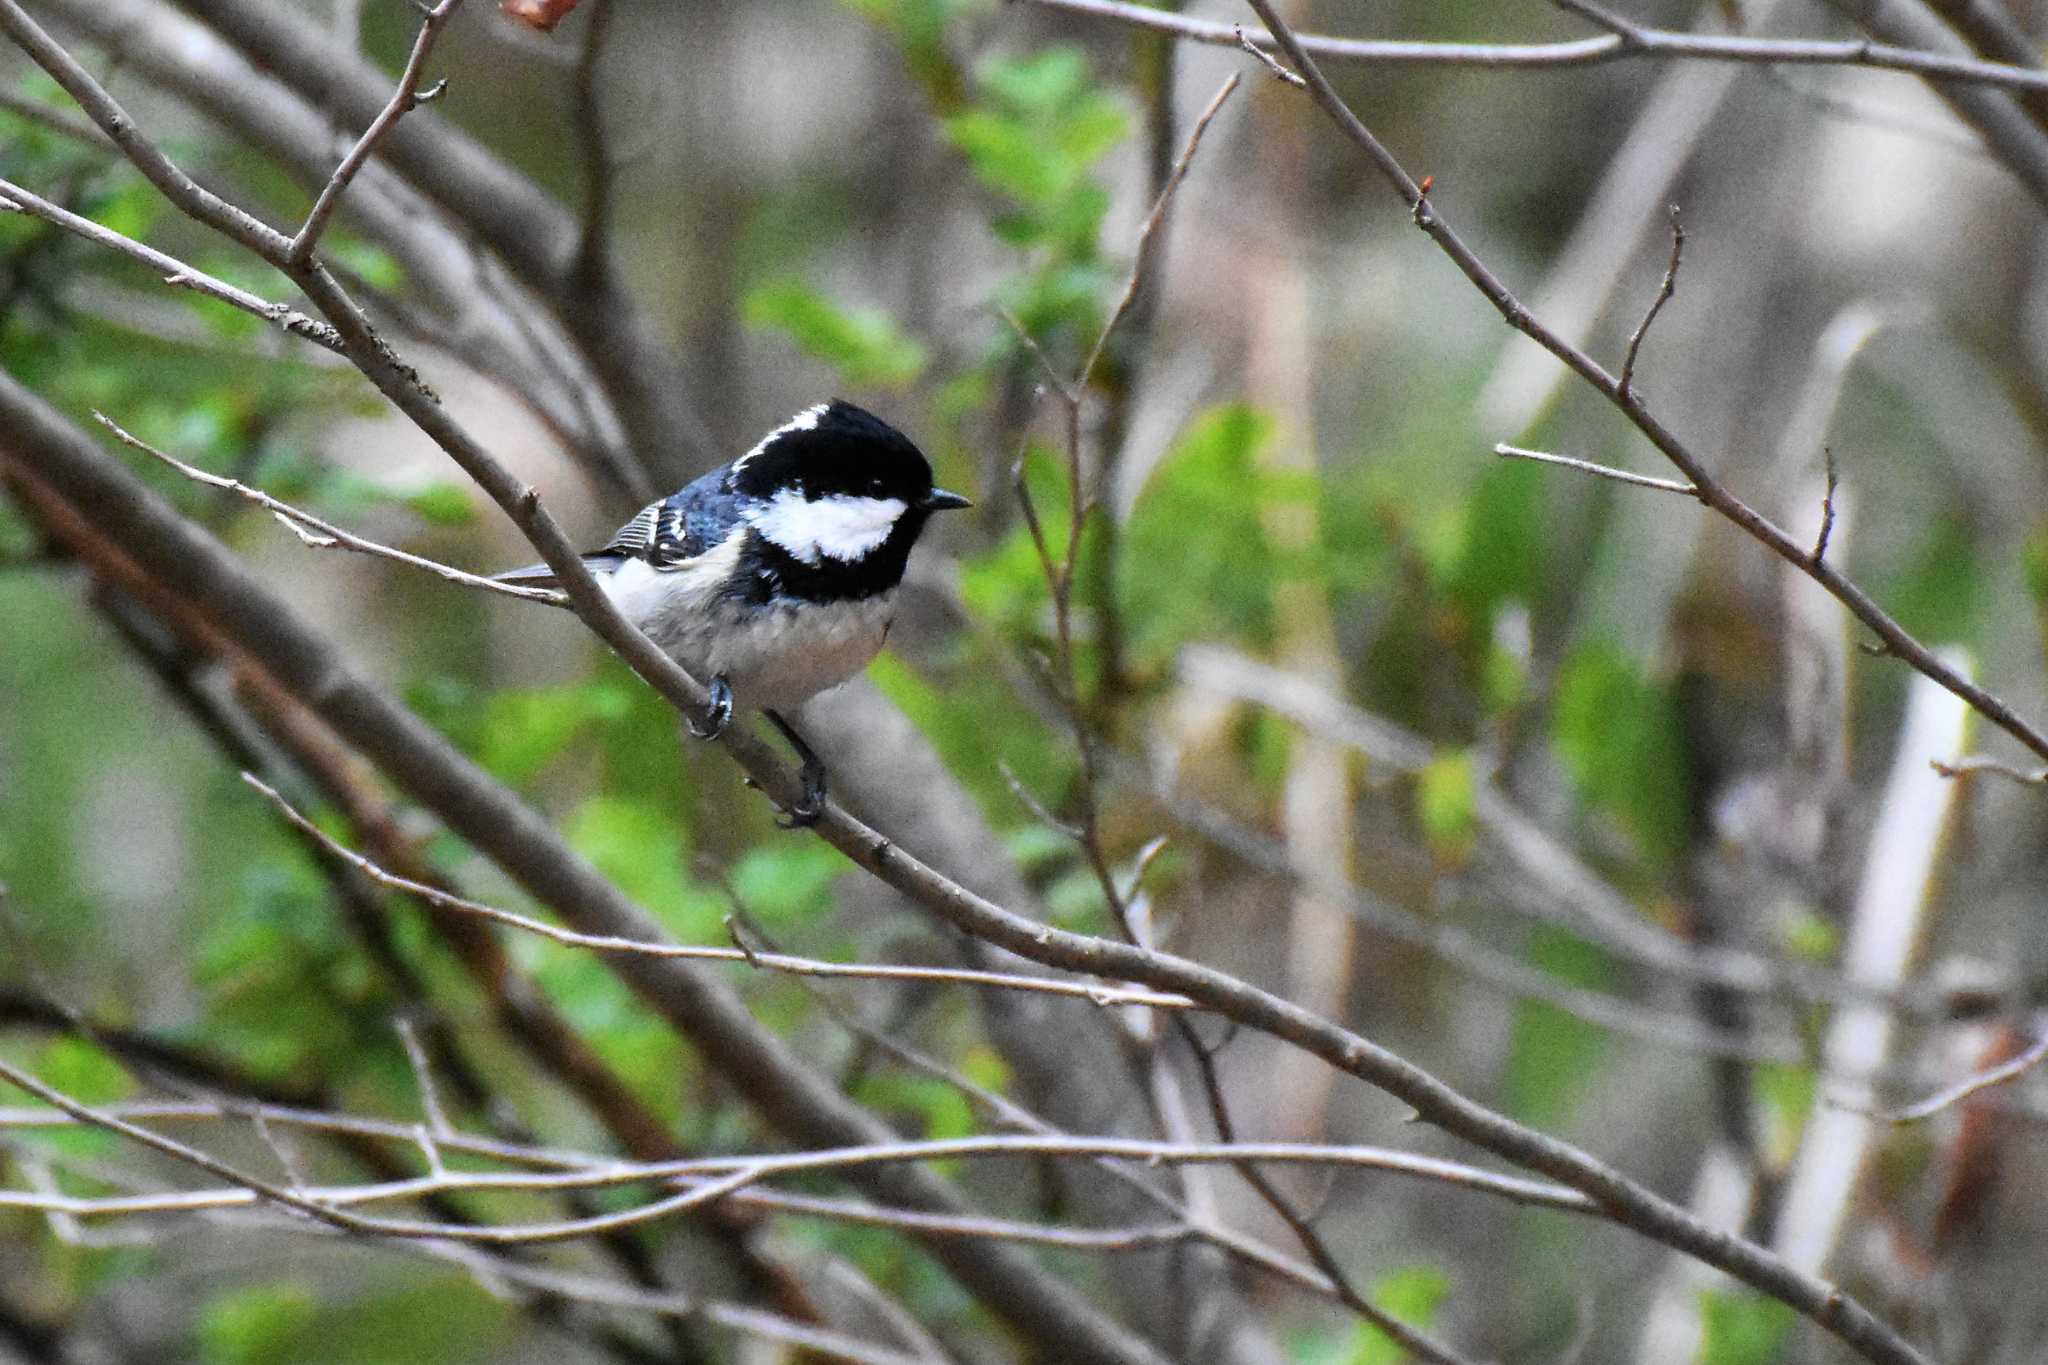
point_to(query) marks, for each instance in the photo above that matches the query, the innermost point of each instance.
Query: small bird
(774, 577)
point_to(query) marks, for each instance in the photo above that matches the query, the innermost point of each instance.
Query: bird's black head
(838, 497)
(835, 450)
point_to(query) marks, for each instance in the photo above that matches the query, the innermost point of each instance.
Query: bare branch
(595, 151)
(799, 966)
(325, 534)
(1640, 42)
(1977, 763)
(196, 200)
(1665, 290)
(2003, 1074)
(1271, 63)
(1140, 257)
(406, 98)
(1827, 507)
(1598, 470)
(177, 274)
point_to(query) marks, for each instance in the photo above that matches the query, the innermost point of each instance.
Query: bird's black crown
(835, 448)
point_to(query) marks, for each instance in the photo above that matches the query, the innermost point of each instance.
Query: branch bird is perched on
(774, 577)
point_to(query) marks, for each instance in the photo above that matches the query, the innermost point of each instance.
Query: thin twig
(1825, 1304)
(1030, 343)
(1267, 59)
(1827, 507)
(1665, 289)
(2003, 1074)
(430, 1094)
(321, 534)
(173, 272)
(715, 1176)
(1641, 42)
(1151, 225)
(406, 98)
(1630, 33)
(1600, 470)
(1979, 763)
(1092, 992)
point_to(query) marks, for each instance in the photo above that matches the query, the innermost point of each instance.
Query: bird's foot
(806, 812)
(718, 715)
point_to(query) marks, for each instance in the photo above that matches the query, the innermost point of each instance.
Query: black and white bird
(774, 577)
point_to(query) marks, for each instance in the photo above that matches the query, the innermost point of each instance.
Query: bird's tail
(532, 576)
(541, 576)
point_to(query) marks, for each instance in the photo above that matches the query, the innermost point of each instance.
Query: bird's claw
(718, 715)
(807, 811)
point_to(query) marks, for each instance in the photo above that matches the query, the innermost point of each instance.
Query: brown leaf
(540, 14)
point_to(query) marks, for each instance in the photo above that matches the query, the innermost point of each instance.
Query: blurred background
(1564, 789)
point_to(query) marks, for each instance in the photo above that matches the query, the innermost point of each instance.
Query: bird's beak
(939, 500)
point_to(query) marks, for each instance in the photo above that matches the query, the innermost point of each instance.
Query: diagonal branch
(406, 98)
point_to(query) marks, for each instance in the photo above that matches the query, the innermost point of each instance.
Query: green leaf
(1446, 804)
(1006, 156)
(442, 504)
(1554, 1055)
(520, 732)
(914, 21)
(1786, 1095)
(1196, 560)
(1410, 1295)
(2034, 565)
(446, 1319)
(1939, 595)
(640, 846)
(1499, 543)
(941, 1110)
(83, 1071)
(377, 267)
(1618, 736)
(1811, 938)
(263, 1325)
(789, 882)
(980, 727)
(864, 345)
(1742, 1327)
(1034, 138)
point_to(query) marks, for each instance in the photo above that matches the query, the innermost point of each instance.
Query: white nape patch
(840, 526)
(806, 420)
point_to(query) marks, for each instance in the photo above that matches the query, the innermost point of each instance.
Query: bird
(774, 577)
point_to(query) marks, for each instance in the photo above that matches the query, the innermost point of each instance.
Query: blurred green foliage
(1743, 1328)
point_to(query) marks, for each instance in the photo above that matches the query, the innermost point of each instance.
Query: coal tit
(774, 577)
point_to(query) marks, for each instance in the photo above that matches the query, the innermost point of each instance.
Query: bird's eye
(874, 488)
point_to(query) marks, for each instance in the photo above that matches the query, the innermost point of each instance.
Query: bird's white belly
(773, 656)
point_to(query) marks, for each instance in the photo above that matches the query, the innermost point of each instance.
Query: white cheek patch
(839, 527)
